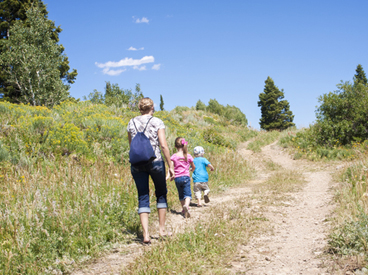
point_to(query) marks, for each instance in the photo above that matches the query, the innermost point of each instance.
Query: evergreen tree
(275, 111)
(161, 103)
(12, 11)
(200, 106)
(360, 77)
(31, 62)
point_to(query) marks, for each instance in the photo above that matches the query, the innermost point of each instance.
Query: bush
(343, 115)
(67, 138)
(211, 136)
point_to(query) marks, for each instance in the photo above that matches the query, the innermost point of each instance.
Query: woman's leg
(161, 221)
(141, 181)
(144, 221)
(158, 176)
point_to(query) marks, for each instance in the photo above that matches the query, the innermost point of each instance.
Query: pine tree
(12, 11)
(200, 106)
(275, 111)
(360, 77)
(31, 62)
(161, 103)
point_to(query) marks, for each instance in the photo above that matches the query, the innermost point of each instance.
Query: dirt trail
(297, 236)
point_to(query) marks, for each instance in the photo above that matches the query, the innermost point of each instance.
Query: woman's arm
(129, 138)
(165, 150)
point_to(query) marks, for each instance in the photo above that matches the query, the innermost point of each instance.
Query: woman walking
(154, 129)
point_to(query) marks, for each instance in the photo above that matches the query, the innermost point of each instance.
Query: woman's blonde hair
(181, 143)
(145, 105)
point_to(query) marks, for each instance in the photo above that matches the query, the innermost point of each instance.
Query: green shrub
(66, 139)
(212, 136)
(342, 115)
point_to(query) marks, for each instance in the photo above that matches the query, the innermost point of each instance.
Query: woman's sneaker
(206, 199)
(186, 212)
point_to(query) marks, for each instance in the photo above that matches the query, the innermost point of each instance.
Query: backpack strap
(144, 127)
(147, 123)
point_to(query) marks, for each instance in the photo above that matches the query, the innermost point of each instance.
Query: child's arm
(211, 167)
(192, 166)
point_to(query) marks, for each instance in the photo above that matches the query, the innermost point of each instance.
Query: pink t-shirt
(181, 167)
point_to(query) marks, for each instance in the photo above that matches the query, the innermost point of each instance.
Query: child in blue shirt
(200, 175)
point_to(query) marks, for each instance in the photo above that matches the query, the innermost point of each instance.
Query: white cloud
(141, 68)
(126, 62)
(156, 67)
(135, 49)
(143, 20)
(112, 72)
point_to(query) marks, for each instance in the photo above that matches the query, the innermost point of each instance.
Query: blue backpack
(141, 151)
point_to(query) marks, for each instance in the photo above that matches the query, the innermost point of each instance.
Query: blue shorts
(183, 186)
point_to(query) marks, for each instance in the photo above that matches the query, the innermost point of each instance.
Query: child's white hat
(198, 151)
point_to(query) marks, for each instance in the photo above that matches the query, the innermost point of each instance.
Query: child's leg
(205, 192)
(187, 197)
(197, 193)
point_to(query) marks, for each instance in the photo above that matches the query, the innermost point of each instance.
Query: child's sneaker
(186, 212)
(206, 199)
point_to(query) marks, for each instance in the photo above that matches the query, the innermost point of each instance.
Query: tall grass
(66, 192)
(54, 213)
(350, 234)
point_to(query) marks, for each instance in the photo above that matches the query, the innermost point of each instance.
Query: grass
(284, 181)
(263, 139)
(208, 248)
(60, 206)
(349, 237)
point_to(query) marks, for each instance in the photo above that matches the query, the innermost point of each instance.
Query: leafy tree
(95, 97)
(161, 103)
(32, 60)
(275, 111)
(215, 107)
(200, 106)
(360, 76)
(236, 116)
(342, 116)
(114, 95)
(138, 95)
(12, 11)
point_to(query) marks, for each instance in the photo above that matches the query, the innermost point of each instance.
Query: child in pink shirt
(182, 162)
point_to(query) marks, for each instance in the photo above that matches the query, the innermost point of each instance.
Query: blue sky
(223, 50)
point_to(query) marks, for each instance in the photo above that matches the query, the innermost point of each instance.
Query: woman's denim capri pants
(141, 175)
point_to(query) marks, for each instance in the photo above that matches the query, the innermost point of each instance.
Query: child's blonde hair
(181, 143)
